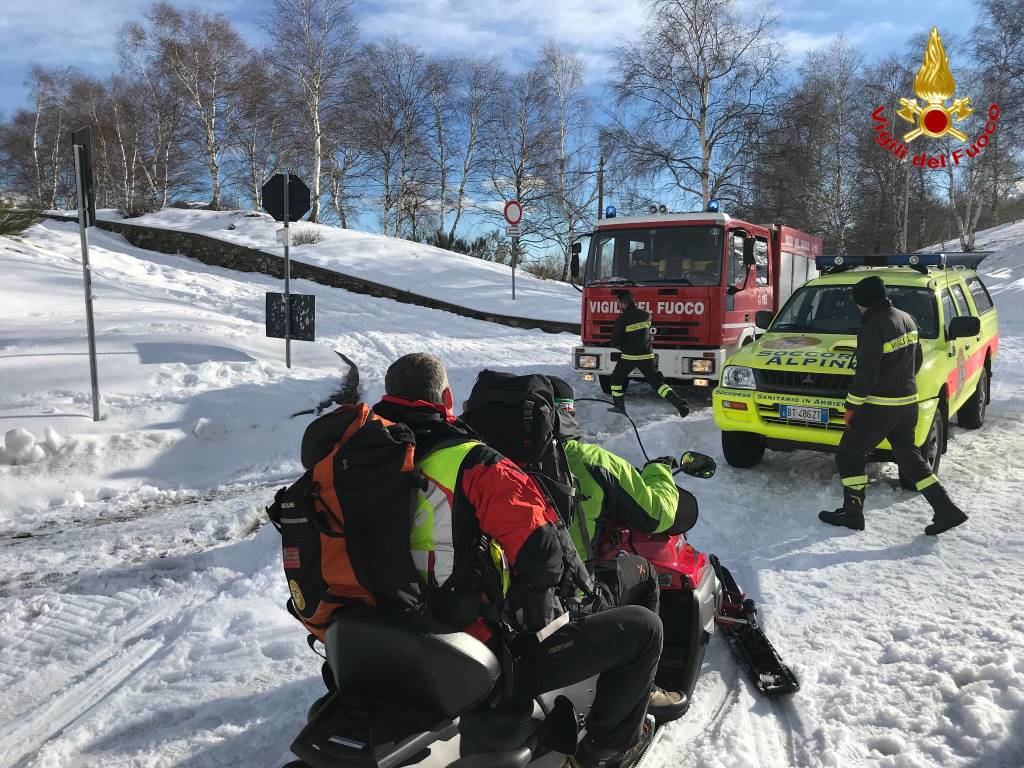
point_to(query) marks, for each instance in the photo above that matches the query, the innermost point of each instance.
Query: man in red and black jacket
(472, 489)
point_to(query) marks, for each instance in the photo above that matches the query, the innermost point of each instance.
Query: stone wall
(220, 253)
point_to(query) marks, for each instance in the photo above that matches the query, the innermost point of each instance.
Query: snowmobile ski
(754, 652)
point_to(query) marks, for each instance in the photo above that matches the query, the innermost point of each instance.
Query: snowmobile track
(94, 682)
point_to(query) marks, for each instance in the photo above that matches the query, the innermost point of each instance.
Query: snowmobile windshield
(682, 255)
(831, 309)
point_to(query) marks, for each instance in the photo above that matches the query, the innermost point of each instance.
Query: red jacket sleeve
(511, 509)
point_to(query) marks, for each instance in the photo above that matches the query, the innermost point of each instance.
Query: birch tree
(692, 91)
(315, 43)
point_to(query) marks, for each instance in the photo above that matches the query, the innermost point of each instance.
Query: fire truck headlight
(738, 377)
(588, 362)
(701, 365)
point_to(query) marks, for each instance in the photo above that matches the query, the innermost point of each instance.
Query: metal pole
(515, 260)
(83, 234)
(287, 278)
(600, 189)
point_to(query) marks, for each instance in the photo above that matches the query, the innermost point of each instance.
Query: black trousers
(622, 646)
(650, 372)
(870, 425)
(628, 580)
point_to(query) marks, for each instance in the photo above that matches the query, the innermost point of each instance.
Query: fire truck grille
(666, 333)
(803, 382)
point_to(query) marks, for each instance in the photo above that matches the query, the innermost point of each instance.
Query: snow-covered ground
(413, 267)
(141, 606)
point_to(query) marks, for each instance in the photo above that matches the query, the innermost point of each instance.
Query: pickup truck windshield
(831, 309)
(685, 255)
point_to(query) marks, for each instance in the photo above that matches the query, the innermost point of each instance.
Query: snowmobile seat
(408, 657)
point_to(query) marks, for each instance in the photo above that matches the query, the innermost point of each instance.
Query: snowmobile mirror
(697, 465)
(763, 318)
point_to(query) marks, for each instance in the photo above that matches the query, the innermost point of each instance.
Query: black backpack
(516, 416)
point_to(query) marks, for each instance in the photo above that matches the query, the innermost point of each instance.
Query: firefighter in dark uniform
(882, 403)
(632, 336)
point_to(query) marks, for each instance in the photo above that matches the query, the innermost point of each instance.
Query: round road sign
(513, 212)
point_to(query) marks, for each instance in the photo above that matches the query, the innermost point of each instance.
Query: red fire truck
(702, 276)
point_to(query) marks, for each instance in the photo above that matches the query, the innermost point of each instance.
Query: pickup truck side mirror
(763, 318)
(748, 252)
(963, 327)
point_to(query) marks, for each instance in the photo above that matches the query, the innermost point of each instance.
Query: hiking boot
(850, 515)
(666, 706)
(945, 514)
(679, 403)
(591, 755)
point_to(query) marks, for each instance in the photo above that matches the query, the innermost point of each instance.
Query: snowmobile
(698, 593)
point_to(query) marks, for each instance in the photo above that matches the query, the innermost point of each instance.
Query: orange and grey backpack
(345, 525)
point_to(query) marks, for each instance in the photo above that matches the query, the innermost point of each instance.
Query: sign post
(286, 198)
(86, 218)
(514, 215)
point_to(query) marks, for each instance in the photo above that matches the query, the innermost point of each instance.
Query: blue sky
(82, 32)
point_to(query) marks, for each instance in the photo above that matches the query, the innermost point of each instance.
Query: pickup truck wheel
(932, 448)
(742, 449)
(972, 413)
(606, 384)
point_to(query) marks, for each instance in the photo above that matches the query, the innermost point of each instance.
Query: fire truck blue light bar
(883, 260)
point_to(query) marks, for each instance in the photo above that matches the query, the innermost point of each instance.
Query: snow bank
(420, 269)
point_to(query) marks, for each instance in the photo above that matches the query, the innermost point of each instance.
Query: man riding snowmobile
(515, 411)
(472, 487)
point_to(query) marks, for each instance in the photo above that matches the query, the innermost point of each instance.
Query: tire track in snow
(97, 679)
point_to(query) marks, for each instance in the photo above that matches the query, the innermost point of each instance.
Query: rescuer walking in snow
(632, 336)
(882, 404)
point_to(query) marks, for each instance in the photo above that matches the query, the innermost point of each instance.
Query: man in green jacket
(613, 491)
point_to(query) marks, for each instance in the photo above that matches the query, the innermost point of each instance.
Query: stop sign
(298, 197)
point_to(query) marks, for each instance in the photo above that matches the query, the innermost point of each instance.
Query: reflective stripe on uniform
(616, 390)
(664, 389)
(432, 543)
(638, 326)
(854, 400)
(879, 400)
(648, 356)
(927, 482)
(858, 482)
(899, 342)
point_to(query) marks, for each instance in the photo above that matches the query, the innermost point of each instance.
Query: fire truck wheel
(606, 384)
(742, 449)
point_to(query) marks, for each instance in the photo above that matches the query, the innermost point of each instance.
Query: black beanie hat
(565, 407)
(869, 291)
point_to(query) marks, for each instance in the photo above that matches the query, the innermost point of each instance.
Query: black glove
(670, 461)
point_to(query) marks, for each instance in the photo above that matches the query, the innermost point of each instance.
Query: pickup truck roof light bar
(917, 261)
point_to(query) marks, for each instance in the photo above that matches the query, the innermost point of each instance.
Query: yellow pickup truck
(786, 390)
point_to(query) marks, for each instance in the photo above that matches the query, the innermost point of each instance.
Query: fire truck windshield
(685, 255)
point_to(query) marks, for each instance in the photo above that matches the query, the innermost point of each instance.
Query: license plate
(801, 413)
